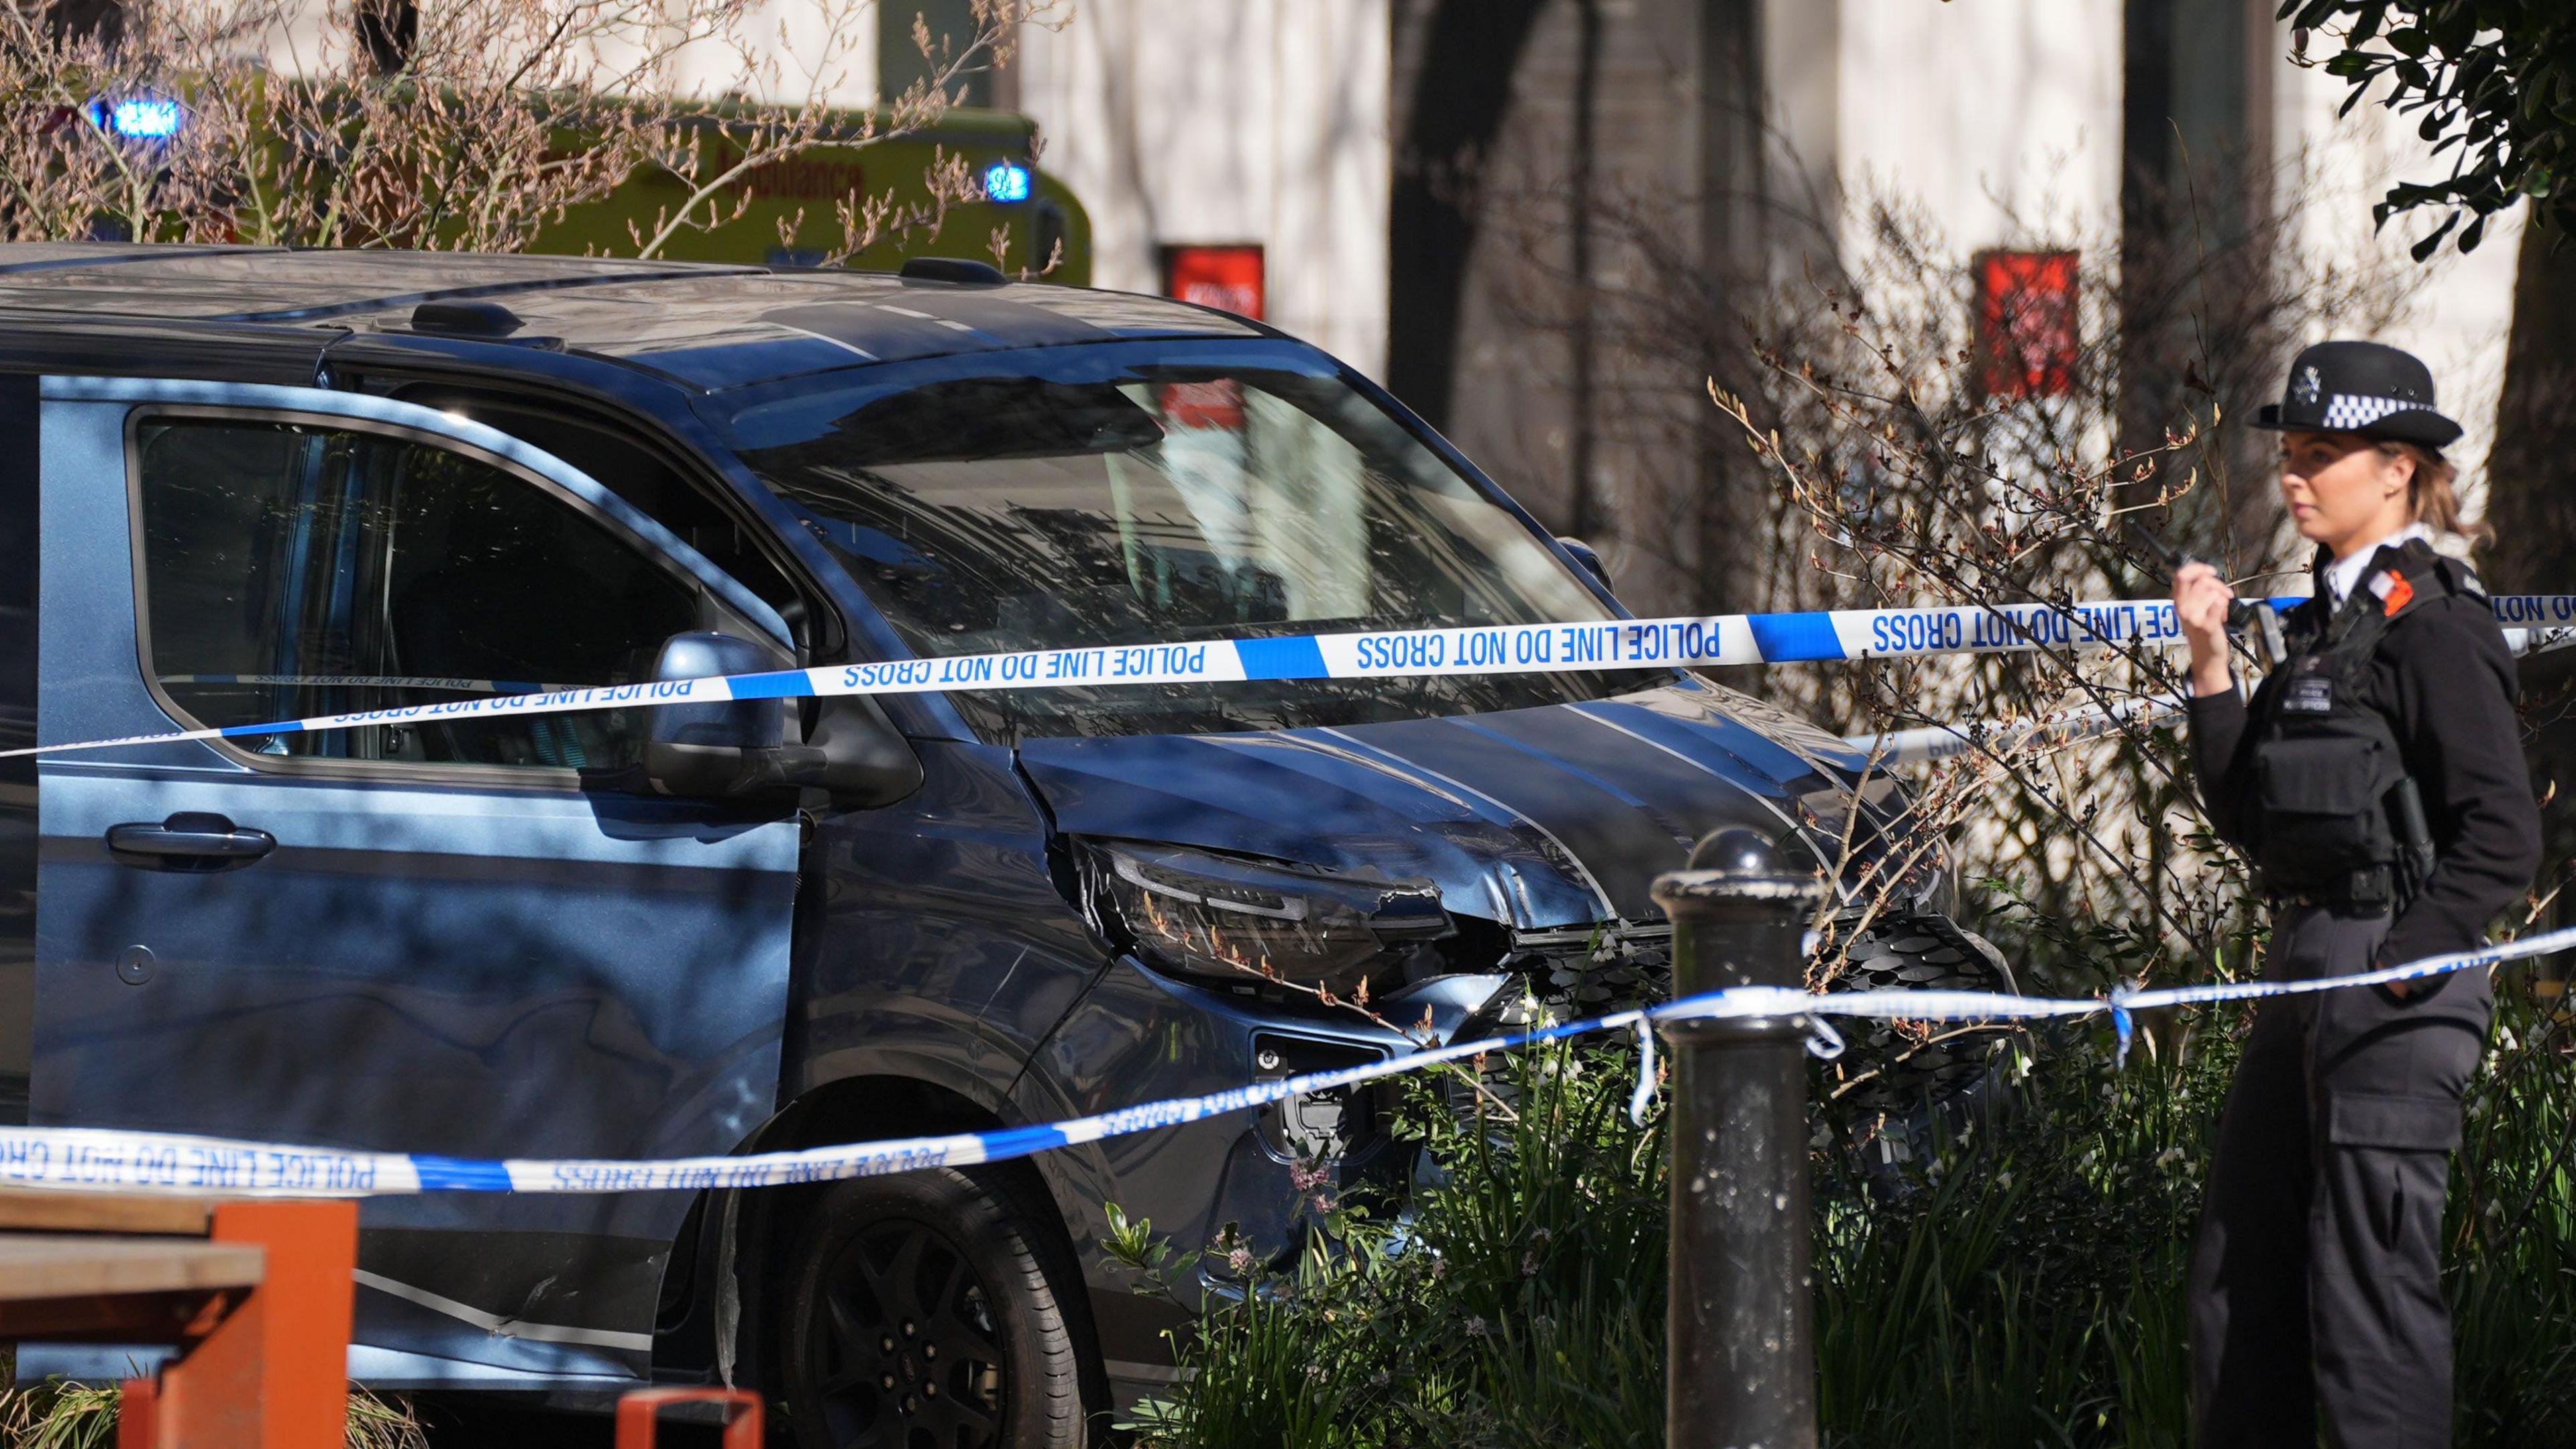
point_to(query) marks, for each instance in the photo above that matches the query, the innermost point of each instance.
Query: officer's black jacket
(2446, 684)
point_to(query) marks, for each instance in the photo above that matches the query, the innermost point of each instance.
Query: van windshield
(1079, 497)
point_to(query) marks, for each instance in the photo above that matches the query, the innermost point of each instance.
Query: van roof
(702, 325)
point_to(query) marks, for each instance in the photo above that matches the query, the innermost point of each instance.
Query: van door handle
(192, 840)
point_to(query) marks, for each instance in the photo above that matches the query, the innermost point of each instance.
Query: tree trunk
(2531, 502)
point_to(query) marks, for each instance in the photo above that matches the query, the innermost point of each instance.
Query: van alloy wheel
(907, 1345)
(921, 1313)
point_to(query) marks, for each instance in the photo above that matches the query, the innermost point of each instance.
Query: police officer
(2376, 783)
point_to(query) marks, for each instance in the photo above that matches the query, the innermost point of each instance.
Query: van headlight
(1248, 921)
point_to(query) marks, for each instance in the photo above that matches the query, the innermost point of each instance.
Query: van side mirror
(1585, 555)
(728, 748)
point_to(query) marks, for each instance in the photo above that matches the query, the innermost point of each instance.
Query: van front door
(473, 938)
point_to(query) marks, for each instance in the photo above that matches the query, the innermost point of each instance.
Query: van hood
(1538, 818)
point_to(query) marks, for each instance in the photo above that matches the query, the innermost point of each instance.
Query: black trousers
(2316, 1283)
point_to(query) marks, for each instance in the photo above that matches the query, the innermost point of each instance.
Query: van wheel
(920, 1315)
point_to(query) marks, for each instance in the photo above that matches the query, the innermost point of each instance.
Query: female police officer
(2377, 785)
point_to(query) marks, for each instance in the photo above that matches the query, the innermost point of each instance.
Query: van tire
(991, 1349)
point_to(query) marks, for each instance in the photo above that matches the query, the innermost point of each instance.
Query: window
(2029, 340)
(297, 569)
(1227, 278)
(634, 472)
(1075, 497)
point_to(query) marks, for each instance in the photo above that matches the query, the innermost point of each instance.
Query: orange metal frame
(267, 1368)
(272, 1371)
(637, 1413)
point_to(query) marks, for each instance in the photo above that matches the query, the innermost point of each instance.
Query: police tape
(1853, 634)
(1923, 744)
(99, 1159)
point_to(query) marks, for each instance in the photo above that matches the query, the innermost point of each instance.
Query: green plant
(57, 1415)
(2021, 1282)
(60, 1415)
(2493, 83)
(2512, 1238)
(1517, 1297)
(382, 1423)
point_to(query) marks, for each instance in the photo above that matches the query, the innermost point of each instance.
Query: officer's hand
(2201, 598)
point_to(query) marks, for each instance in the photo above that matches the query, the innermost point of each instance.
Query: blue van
(257, 484)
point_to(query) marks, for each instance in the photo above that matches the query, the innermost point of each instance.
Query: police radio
(2240, 612)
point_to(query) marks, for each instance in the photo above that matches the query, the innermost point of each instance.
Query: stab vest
(2337, 819)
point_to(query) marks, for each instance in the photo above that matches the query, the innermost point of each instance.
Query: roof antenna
(957, 270)
(465, 319)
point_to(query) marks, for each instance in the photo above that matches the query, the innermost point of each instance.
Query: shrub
(59, 1415)
(2019, 1284)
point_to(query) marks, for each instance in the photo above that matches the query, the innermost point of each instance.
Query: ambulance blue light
(1006, 181)
(141, 118)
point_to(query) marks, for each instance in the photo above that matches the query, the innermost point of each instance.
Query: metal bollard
(1740, 1357)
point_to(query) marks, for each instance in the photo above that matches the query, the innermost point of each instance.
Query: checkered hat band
(2348, 410)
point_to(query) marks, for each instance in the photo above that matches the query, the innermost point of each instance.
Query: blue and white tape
(104, 1160)
(1927, 743)
(1708, 640)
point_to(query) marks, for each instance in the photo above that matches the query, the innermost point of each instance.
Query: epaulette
(2422, 574)
(2462, 580)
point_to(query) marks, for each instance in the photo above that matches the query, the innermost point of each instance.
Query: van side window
(291, 570)
(635, 472)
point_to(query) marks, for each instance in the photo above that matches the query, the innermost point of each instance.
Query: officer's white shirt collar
(2345, 573)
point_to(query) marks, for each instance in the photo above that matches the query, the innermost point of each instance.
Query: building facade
(1511, 209)
(1229, 124)
(1536, 220)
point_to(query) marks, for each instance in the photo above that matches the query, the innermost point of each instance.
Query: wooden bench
(257, 1295)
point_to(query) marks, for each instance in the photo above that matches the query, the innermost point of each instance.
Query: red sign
(2029, 325)
(1227, 278)
(1216, 403)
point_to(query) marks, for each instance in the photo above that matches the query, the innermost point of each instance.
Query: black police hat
(2364, 388)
